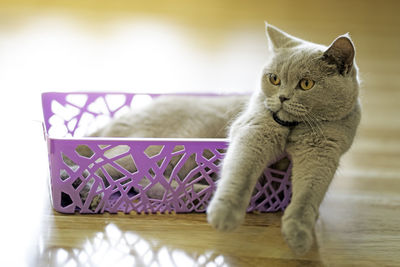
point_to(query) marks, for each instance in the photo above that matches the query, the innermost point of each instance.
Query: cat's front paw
(297, 235)
(223, 215)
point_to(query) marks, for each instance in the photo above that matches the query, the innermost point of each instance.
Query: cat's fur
(329, 114)
(182, 116)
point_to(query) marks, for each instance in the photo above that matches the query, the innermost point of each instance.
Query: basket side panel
(149, 176)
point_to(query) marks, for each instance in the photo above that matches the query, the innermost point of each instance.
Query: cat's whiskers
(308, 121)
(312, 116)
(306, 116)
(316, 123)
(303, 117)
(305, 120)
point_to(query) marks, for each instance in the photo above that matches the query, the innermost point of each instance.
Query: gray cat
(307, 106)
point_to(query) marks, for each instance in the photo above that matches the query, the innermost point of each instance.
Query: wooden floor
(212, 46)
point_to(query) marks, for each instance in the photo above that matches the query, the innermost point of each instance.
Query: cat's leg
(251, 147)
(312, 172)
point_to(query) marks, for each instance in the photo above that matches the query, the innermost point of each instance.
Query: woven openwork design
(94, 175)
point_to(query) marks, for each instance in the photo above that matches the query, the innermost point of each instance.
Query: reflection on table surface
(127, 248)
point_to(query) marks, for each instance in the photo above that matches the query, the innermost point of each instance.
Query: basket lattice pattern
(96, 175)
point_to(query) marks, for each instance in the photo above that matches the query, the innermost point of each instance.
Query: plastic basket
(68, 116)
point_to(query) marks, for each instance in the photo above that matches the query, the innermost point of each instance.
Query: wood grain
(359, 223)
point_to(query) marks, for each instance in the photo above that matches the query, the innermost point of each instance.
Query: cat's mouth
(283, 122)
(281, 114)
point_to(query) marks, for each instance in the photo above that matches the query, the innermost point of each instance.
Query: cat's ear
(341, 53)
(280, 39)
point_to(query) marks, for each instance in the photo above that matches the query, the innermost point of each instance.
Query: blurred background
(178, 46)
(173, 45)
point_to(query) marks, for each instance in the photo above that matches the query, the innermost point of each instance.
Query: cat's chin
(285, 116)
(284, 123)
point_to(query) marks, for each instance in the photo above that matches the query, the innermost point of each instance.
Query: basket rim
(138, 139)
(46, 96)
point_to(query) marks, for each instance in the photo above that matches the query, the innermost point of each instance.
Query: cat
(308, 106)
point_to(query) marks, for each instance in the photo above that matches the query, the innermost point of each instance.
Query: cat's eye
(274, 79)
(306, 84)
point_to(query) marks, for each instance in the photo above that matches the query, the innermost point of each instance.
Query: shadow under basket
(97, 175)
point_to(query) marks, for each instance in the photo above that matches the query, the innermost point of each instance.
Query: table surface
(94, 46)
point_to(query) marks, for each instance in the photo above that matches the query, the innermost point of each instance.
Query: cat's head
(307, 81)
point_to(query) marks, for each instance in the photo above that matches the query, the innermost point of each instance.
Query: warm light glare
(142, 55)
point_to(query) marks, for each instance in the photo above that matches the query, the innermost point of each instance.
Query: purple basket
(67, 118)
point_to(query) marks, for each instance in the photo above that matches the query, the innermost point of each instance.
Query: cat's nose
(283, 98)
